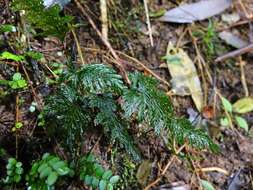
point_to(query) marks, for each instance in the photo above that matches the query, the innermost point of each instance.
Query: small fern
(143, 98)
(96, 95)
(153, 107)
(47, 21)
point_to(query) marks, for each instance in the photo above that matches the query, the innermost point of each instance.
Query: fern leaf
(153, 107)
(113, 125)
(66, 110)
(182, 130)
(118, 132)
(143, 98)
(97, 79)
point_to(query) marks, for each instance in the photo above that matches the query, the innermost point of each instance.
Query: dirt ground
(229, 169)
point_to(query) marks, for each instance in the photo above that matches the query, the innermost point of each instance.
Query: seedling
(45, 172)
(95, 175)
(14, 171)
(18, 125)
(232, 112)
(18, 82)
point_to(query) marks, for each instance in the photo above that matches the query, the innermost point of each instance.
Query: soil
(233, 163)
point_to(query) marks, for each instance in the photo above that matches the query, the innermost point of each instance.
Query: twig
(78, 46)
(243, 79)
(36, 98)
(165, 168)
(106, 42)
(104, 19)
(145, 68)
(211, 169)
(148, 23)
(16, 121)
(136, 61)
(235, 53)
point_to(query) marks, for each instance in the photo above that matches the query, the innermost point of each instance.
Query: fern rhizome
(95, 95)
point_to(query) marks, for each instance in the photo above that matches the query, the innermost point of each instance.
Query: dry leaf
(208, 112)
(189, 13)
(143, 172)
(185, 80)
(232, 39)
(230, 18)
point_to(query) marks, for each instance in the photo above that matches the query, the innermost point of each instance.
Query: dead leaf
(208, 112)
(185, 80)
(232, 39)
(243, 105)
(201, 10)
(143, 172)
(230, 18)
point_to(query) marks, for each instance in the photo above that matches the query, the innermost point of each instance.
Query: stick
(148, 23)
(107, 44)
(235, 53)
(104, 19)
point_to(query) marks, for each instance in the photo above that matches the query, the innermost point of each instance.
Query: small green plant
(10, 56)
(96, 94)
(45, 172)
(232, 112)
(17, 82)
(7, 28)
(128, 171)
(94, 175)
(210, 38)
(18, 125)
(48, 21)
(14, 171)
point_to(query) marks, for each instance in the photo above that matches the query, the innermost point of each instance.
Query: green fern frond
(65, 109)
(97, 79)
(143, 98)
(153, 107)
(182, 130)
(118, 132)
(97, 93)
(48, 21)
(113, 124)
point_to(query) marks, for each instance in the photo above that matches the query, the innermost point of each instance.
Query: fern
(143, 98)
(153, 107)
(96, 93)
(97, 79)
(66, 108)
(48, 21)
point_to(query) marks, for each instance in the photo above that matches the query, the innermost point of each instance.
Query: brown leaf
(208, 112)
(143, 172)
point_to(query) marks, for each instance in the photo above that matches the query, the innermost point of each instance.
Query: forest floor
(229, 169)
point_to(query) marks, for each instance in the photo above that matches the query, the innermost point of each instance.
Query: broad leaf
(226, 104)
(241, 122)
(206, 185)
(52, 178)
(243, 105)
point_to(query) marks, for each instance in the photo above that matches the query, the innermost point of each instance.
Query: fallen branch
(235, 53)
